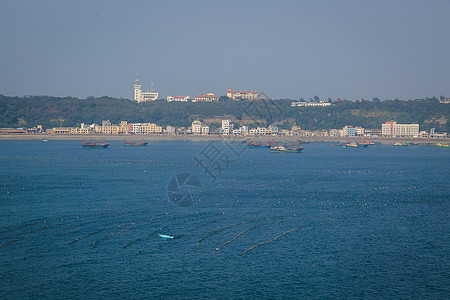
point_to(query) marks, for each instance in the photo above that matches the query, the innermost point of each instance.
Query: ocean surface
(327, 223)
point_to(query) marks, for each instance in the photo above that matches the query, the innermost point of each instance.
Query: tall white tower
(137, 90)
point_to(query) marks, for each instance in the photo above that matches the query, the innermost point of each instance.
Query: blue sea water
(359, 223)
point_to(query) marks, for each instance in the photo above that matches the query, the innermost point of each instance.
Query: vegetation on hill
(55, 111)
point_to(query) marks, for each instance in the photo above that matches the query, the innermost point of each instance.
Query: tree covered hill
(55, 111)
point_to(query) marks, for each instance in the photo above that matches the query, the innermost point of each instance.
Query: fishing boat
(135, 143)
(356, 145)
(94, 144)
(278, 149)
(400, 145)
(166, 236)
(258, 145)
(336, 144)
(368, 143)
(349, 144)
(444, 146)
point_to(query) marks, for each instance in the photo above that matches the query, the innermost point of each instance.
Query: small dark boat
(134, 143)
(400, 145)
(258, 145)
(94, 144)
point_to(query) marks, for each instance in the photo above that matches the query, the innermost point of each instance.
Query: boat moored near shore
(135, 143)
(94, 144)
(278, 149)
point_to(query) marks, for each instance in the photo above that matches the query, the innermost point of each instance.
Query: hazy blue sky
(288, 49)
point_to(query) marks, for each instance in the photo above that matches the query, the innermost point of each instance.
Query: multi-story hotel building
(178, 98)
(196, 127)
(140, 96)
(210, 97)
(349, 131)
(106, 128)
(227, 127)
(147, 128)
(372, 132)
(236, 95)
(205, 129)
(392, 129)
(144, 128)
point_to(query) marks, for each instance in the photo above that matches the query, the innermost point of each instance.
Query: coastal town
(230, 127)
(197, 128)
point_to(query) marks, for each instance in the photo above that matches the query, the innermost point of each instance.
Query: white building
(392, 129)
(196, 127)
(210, 97)
(359, 131)
(134, 127)
(178, 98)
(170, 130)
(205, 129)
(140, 96)
(227, 127)
(309, 104)
(444, 100)
(253, 131)
(236, 95)
(348, 131)
(237, 131)
(261, 130)
(334, 132)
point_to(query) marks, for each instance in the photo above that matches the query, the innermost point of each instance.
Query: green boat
(279, 149)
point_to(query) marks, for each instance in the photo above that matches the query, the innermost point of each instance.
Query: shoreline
(203, 138)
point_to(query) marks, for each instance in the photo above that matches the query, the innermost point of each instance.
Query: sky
(288, 49)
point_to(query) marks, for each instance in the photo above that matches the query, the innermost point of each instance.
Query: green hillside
(54, 111)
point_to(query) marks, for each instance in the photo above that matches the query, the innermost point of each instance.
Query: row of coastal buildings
(111, 129)
(228, 127)
(152, 95)
(388, 129)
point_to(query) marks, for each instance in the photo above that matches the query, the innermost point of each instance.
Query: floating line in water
(260, 244)
(99, 231)
(83, 237)
(140, 239)
(202, 225)
(65, 222)
(238, 236)
(220, 229)
(53, 219)
(249, 230)
(108, 236)
(14, 241)
(162, 245)
(240, 223)
(131, 224)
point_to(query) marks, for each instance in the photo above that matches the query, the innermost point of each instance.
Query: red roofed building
(236, 95)
(210, 97)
